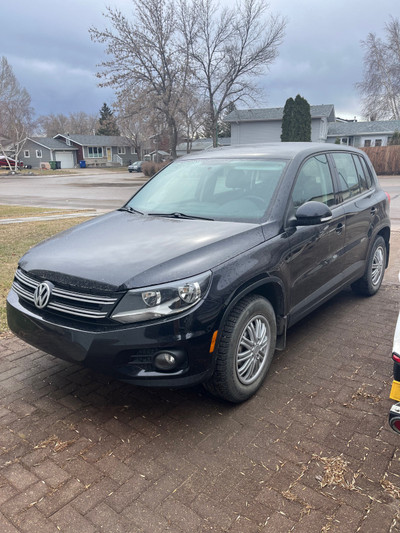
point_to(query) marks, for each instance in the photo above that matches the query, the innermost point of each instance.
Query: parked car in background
(136, 166)
(394, 413)
(5, 162)
(199, 276)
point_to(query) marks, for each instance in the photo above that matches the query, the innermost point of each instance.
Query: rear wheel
(369, 284)
(245, 351)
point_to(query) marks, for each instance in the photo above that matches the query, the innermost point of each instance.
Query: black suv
(198, 277)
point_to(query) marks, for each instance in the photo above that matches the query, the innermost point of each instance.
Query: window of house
(121, 150)
(378, 142)
(314, 182)
(95, 151)
(367, 142)
(348, 178)
(133, 150)
(39, 154)
(27, 153)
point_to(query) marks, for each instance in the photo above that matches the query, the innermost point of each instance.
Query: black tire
(371, 281)
(245, 350)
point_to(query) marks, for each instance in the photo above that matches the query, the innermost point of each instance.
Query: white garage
(66, 159)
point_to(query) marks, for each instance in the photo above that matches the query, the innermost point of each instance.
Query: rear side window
(367, 172)
(360, 173)
(349, 184)
(314, 182)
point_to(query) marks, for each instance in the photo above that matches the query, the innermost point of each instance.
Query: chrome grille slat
(28, 281)
(22, 292)
(76, 311)
(62, 300)
(84, 298)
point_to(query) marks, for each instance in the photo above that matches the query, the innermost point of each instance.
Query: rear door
(360, 202)
(315, 261)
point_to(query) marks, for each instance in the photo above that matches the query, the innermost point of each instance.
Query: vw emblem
(42, 294)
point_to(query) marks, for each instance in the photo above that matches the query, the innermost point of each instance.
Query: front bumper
(125, 352)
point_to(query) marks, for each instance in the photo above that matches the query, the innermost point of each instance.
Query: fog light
(165, 361)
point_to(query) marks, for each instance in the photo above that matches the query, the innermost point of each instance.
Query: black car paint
(296, 267)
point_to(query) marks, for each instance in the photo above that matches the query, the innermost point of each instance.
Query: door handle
(339, 228)
(373, 211)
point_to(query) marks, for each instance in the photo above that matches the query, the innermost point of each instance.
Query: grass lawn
(4, 172)
(16, 239)
(20, 211)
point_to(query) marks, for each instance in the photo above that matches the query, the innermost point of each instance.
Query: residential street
(311, 452)
(105, 190)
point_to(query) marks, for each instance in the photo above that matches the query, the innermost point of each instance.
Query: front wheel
(245, 351)
(369, 284)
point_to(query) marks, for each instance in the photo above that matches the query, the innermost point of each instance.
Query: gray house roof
(97, 140)
(51, 144)
(203, 144)
(340, 129)
(276, 113)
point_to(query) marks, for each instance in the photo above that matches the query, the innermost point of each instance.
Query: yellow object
(395, 392)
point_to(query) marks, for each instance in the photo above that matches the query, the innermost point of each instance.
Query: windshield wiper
(129, 209)
(178, 215)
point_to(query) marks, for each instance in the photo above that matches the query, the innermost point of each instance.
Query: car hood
(123, 250)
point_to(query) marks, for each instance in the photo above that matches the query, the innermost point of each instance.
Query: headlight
(160, 301)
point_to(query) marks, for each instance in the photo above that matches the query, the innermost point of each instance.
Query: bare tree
(380, 87)
(78, 123)
(230, 47)
(15, 111)
(134, 120)
(148, 57)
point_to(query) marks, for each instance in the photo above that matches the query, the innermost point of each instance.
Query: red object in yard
(4, 162)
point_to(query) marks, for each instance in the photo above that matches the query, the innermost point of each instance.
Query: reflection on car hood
(123, 250)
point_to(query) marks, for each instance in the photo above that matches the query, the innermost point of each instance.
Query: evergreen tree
(296, 121)
(108, 124)
(302, 122)
(288, 121)
(395, 140)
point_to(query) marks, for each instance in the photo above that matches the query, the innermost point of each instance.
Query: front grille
(63, 301)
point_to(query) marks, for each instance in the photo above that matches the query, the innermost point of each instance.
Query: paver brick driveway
(311, 452)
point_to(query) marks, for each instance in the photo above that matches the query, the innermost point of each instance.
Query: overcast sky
(49, 48)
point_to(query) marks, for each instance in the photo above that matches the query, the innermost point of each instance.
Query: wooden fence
(386, 159)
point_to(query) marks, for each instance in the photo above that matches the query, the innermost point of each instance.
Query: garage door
(66, 158)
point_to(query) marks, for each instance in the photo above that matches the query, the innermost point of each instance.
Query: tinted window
(360, 173)
(314, 182)
(367, 172)
(348, 180)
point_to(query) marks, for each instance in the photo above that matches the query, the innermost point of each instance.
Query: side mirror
(313, 213)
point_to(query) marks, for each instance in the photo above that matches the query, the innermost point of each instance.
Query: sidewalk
(311, 452)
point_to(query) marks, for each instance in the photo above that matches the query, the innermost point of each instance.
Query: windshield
(234, 190)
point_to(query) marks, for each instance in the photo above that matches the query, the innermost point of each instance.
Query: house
(198, 145)
(100, 150)
(70, 150)
(38, 150)
(250, 126)
(362, 134)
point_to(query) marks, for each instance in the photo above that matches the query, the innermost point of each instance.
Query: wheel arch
(385, 233)
(272, 289)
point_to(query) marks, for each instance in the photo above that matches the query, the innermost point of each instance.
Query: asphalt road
(105, 190)
(95, 189)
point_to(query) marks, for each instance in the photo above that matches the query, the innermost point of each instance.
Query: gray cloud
(49, 48)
